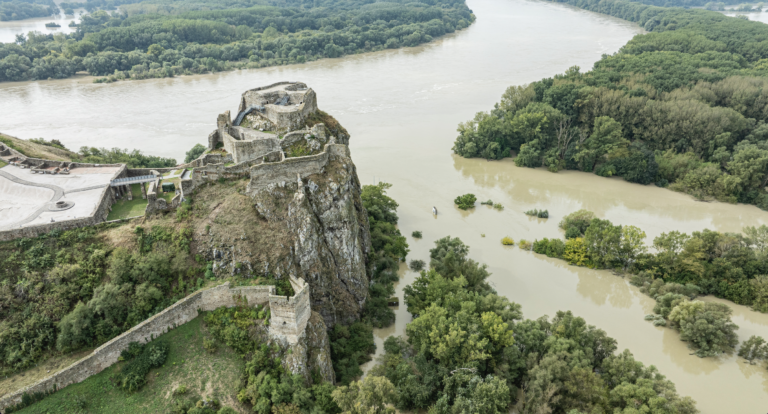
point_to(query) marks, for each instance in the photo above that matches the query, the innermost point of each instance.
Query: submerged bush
(538, 213)
(417, 265)
(507, 241)
(525, 245)
(416, 234)
(465, 201)
(580, 219)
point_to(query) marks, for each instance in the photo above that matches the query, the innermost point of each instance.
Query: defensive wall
(289, 317)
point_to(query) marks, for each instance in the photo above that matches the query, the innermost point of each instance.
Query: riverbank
(401, 108)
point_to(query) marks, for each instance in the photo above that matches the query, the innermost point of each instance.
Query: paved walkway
(58, 192)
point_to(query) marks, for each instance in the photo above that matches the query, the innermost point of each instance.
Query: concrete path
(58, 192)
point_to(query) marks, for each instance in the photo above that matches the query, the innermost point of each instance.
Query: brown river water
(401, 108)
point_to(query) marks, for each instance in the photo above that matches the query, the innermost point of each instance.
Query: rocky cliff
(326, 232)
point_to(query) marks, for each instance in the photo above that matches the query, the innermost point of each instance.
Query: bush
(210, 345)
(498, 207)
(580, 219)
(465, 201)
(507, 241)
(417, 265)
(416, 234)
(141, 358)
(525, 244)
(181, 389)
(487, 203)
(538, 213)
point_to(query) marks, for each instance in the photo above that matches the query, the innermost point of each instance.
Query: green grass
(125, 208)
(3, 163)
(208, 375)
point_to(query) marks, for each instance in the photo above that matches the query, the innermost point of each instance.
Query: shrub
(141, 358)
(525, 244)
(210, 345)
(538, 213)
(580, 219)
(181, 389)
(487, 203)
(507, 241)
(465, 201)
(417, 265)
(416, 234)
(498, 207)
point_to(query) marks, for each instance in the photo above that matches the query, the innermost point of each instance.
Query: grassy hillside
(205, 376)
(37, 150)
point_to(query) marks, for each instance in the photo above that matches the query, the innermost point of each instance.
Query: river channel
(401, 108)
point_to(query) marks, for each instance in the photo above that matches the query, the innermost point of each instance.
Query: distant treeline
(26, 9)
(167, 38)
(684, 106)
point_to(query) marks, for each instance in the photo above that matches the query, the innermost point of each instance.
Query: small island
(52, 24)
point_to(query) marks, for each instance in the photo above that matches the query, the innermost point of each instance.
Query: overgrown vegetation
(140, 359)
(469, 350)
(681, 106)
(133, 159)
(538, 213)
(67, 290)
(163, 38)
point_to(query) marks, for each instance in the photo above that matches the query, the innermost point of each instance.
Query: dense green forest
(469, 350)
(25, 9)
(683, 106)
(171, 37)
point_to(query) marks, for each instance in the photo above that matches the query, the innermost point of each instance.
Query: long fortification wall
(291, 314)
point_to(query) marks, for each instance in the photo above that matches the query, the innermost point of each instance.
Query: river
(401, 108)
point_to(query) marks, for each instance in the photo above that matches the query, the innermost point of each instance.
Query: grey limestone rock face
(312, 352)
(327, 227)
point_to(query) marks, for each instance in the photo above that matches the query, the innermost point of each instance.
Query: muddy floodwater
(402, 108)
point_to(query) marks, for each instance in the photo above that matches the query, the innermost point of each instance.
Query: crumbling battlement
(289, 317)
(281, 107)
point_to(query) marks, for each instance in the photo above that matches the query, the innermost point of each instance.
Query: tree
(632, 244)
(706, 325)
(606, 142)
(368, 396)
(754, 348)
(603, 241)
(194, 153)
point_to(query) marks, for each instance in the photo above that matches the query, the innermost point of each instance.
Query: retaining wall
(291, 313)
(98, 215)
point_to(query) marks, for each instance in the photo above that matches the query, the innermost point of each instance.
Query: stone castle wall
(291, 314)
